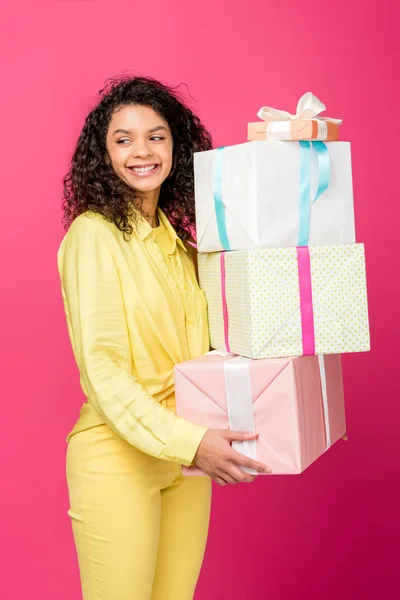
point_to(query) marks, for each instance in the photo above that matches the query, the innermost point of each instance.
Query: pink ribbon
(224, 303)
(306, 301)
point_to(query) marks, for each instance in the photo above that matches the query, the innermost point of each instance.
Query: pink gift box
(296, 404)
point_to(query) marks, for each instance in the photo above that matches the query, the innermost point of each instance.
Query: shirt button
(190, 322)
(186, 287)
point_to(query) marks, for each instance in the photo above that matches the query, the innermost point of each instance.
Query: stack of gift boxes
(285, 284)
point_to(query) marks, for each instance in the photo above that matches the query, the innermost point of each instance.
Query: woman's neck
(147, 206)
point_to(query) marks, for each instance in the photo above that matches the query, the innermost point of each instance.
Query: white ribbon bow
(308, 107)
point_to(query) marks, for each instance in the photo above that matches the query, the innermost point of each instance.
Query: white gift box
(256, 190)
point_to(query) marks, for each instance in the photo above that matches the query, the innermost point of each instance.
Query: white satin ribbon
(308, 107)
(281, 130)
(278, 130)
(322, 130)
(239, 404)
(322, 374)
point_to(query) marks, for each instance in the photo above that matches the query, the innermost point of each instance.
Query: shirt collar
(144, 230)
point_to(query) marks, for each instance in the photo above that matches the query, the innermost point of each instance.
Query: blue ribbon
(305, 201)
(218, 203)
(324, 168)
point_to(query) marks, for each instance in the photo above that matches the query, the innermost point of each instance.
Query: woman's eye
(156, 138)
(122, 141)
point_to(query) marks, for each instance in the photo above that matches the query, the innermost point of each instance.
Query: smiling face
(139, 146)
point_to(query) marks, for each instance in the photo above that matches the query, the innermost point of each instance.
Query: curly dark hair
(91, 183)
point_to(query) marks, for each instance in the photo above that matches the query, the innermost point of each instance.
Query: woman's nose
(141, 149)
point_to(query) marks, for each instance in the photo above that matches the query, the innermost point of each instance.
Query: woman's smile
(143, 170)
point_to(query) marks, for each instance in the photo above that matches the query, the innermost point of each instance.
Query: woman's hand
(216, 457)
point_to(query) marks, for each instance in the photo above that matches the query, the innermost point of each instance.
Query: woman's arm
(99, 336)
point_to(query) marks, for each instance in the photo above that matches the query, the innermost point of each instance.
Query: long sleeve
(99, 335)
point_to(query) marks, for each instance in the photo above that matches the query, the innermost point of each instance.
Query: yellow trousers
(140, 528)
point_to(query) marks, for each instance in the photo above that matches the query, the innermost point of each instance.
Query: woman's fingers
(241, 460)
(228, 478)
(240, 476)
(234, 475)
(220, 481)
(240, 436)
(245, 461)
(216, 457)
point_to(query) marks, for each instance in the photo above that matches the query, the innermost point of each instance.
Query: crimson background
(330, 533)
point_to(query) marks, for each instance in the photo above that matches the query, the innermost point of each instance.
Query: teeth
(143, 169)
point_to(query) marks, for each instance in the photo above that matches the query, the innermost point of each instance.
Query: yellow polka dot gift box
(279, 302)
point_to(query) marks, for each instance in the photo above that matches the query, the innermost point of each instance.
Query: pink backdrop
(330, 533)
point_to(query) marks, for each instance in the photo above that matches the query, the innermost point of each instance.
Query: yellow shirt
(163, 241)
(134, 309)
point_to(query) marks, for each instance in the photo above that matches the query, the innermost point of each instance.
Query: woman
(134, 310)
